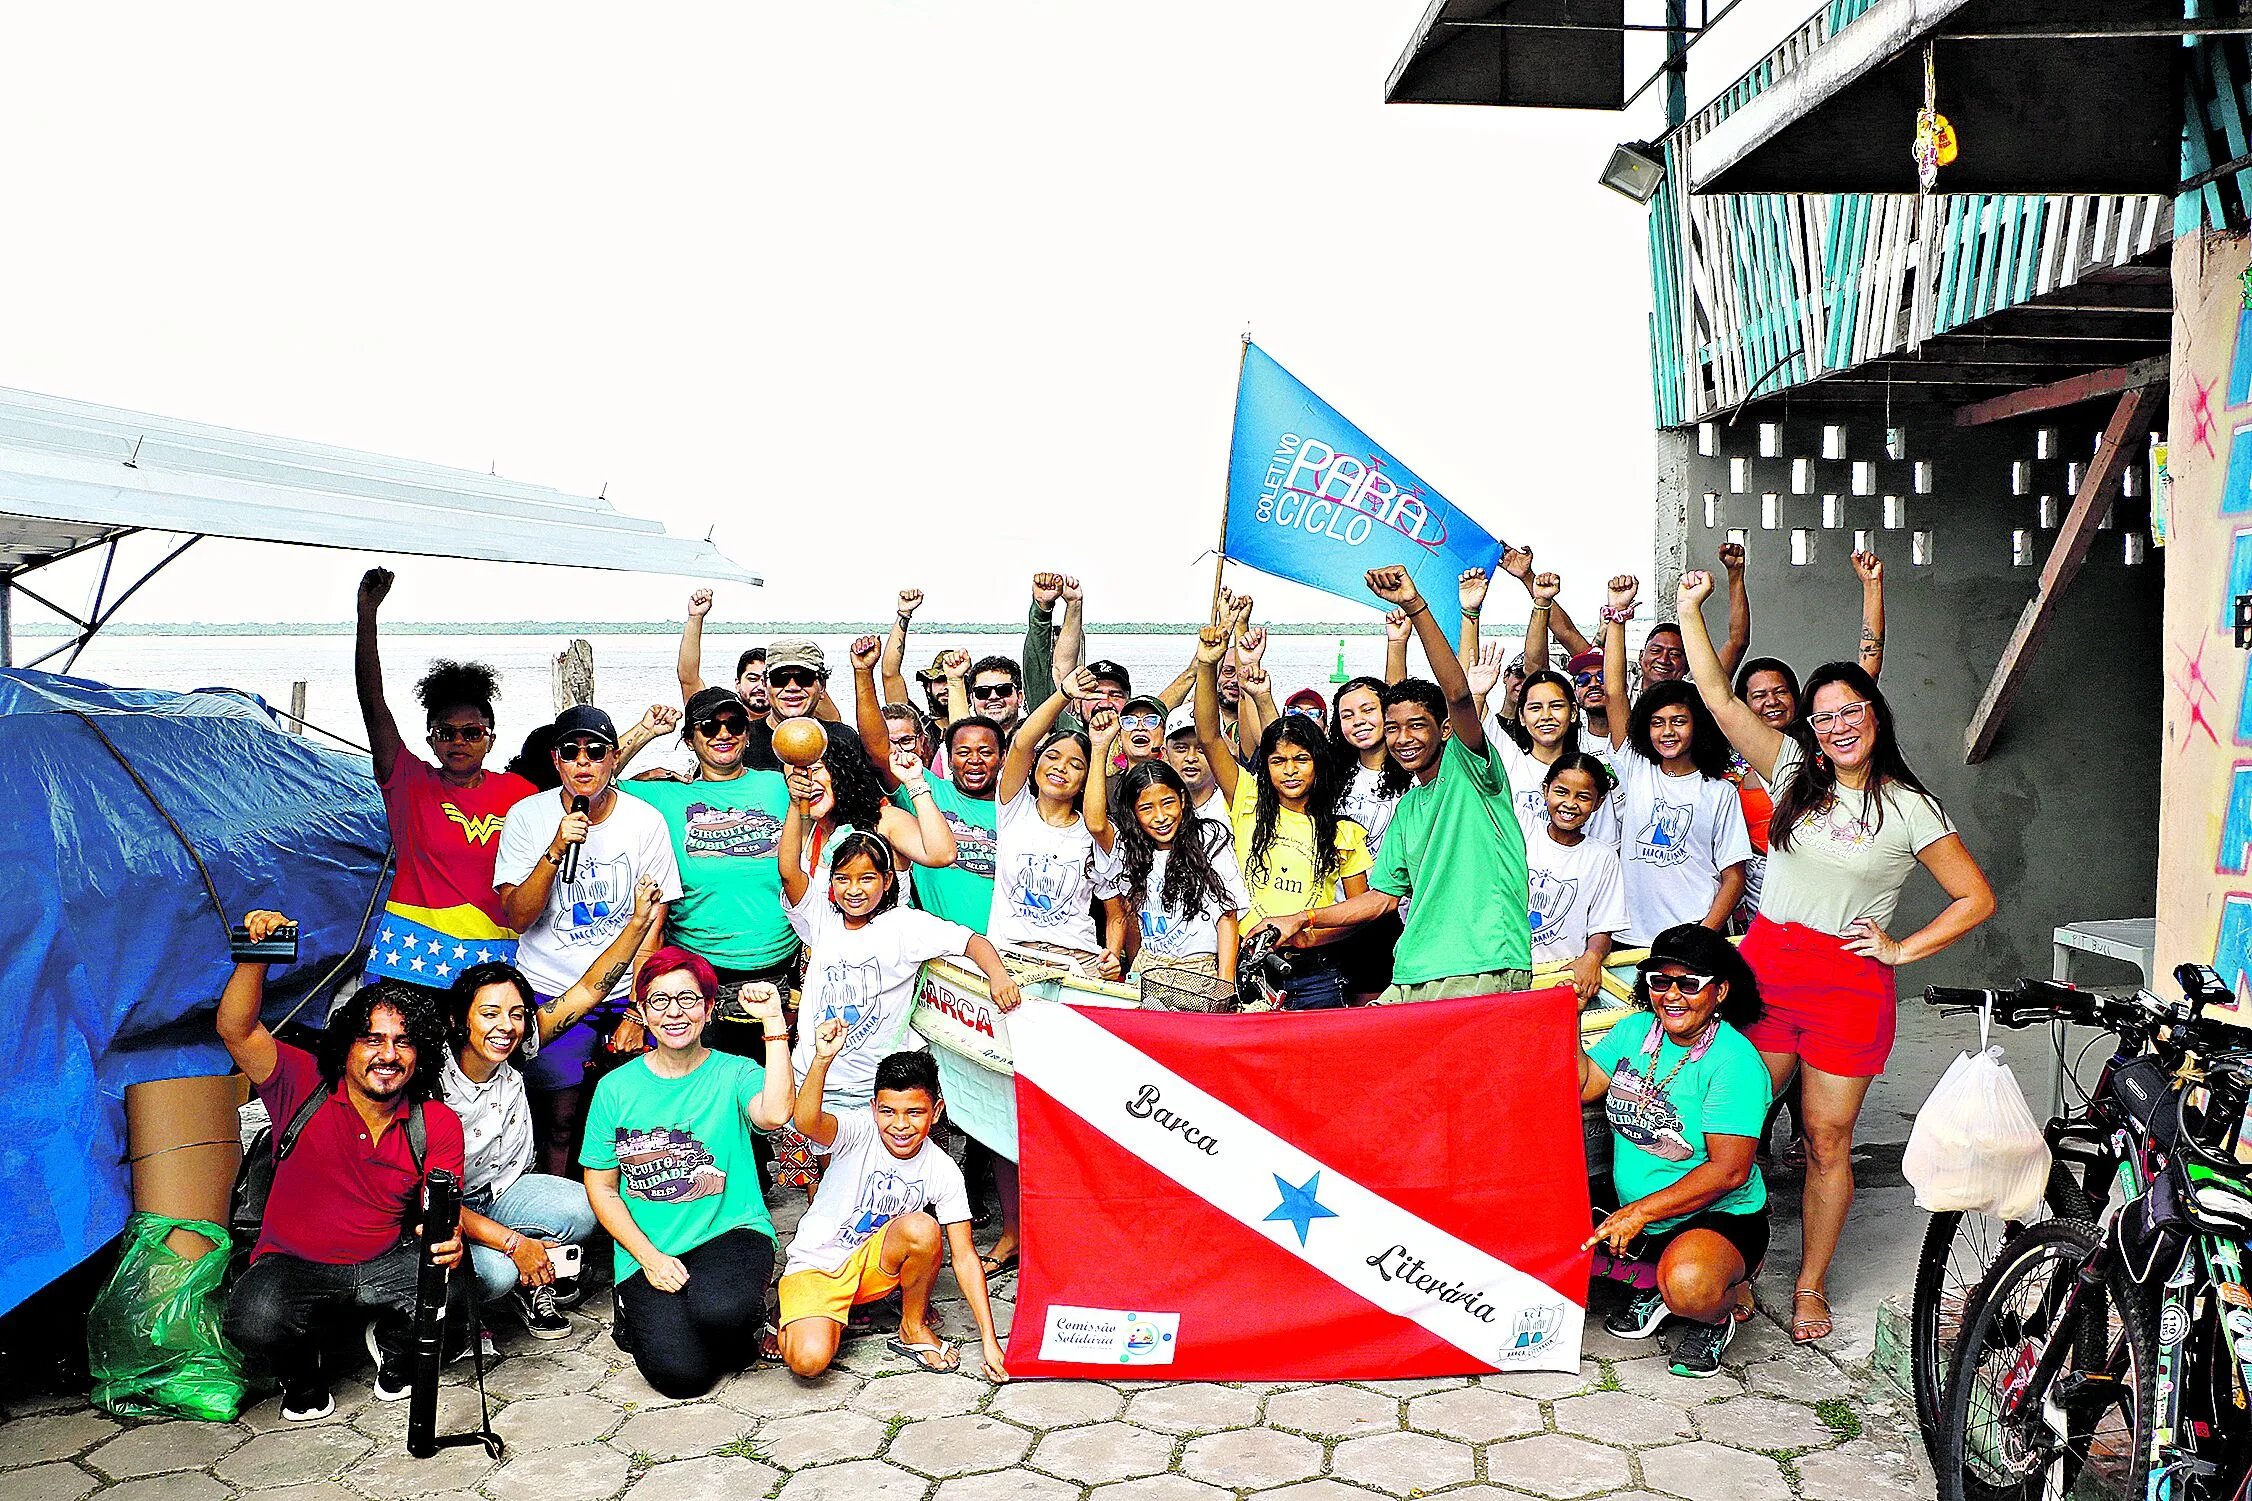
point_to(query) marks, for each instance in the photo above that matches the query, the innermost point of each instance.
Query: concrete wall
(2063, 815)
(2204, 891)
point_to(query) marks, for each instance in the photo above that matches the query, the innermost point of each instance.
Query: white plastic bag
(1976, 1145)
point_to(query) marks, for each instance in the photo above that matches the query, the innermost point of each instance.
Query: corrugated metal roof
(73, 473)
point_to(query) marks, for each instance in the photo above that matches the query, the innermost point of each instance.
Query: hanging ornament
(1935, 137)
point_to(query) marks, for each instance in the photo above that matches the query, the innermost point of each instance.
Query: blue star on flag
(1300, 1206)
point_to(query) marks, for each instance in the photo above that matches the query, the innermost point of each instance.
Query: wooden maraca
(800, 742)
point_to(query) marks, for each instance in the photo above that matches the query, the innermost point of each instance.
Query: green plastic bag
(153, 1338)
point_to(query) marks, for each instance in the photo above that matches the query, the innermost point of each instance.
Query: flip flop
(1807, 1331)
(948, 1358)
(1746, 1305)
(994, 1266)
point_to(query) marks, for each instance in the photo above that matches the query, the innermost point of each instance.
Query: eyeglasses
(582, 750)
(1843, 717)
(993, 690)
(723, 724)
(1140, 721)
(675, 1003)
(908, 741)
(460, 734)
(1688, 984)
(792, 677)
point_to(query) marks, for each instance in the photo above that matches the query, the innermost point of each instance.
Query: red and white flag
(1368, 1193)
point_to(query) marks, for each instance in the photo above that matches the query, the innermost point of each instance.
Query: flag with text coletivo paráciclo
(1313, 499)
(1216, 1198)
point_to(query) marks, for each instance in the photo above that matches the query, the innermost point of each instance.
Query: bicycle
(2096, 1358)
(1961, 1246)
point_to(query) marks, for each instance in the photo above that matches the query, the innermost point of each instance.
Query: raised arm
(1024, 746)
(688, 667)
(795, 821)
(1871, 569)
(955, 663)
(1739, 607)
(1257, 689)
(895, 648)
(241, 1029)
(609, 966)
(1755, 739)
(1471, 588)
(1395, 587)
(1545, 588)
(1616, 612)
(1396, 633)
(1211, 646)
(1518, 563)
(1039, 650)
(927, 838)
(776, 1100)
(811, 1121)
(1485, 673)
(367, 676)
(1094, 797)
(1071, 638)
(868, 711)
(662, 719)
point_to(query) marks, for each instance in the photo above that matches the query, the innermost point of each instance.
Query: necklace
(1689, 1052)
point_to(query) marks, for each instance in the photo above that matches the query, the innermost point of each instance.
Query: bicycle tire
(1959, 1249)
(1984, 1454)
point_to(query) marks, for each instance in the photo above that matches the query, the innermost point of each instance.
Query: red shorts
(1832, 1008)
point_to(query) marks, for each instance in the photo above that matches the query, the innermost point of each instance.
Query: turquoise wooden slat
(2227, 108)
(2005, 253)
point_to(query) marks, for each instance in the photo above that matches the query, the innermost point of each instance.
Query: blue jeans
(535, 1205)
(1322, 990)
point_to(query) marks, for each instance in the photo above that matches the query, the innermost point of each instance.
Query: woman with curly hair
(1177, 874)
(1296, 850)
(844, 794)
(1682, 843)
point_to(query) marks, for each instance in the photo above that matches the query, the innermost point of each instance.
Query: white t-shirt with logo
(582, 915)
(865, 976)
(1572, 891)
(1167, 934)
(1528, 797)
(1044, 878)
(1843, 863)
(866, 1188)
(1364, 803)
(1676, 835)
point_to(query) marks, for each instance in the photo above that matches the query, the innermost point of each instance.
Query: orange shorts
(814, 1294)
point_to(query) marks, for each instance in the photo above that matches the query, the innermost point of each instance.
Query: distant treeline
(43, 628)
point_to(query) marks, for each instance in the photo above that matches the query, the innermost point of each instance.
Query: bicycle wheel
(1959, 1248)
(2086, 1434)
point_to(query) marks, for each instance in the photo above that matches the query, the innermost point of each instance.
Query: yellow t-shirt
(1287, 883)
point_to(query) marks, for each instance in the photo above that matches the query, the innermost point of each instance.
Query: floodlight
(1636, 169)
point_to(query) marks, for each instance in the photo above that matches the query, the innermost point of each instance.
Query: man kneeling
(887, 1200)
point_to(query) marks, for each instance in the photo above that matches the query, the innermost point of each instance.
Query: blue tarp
(111, 957)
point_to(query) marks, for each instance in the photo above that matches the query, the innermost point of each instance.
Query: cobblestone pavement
(582, 1426)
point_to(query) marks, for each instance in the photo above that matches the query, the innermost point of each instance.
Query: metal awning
(1538, 54)
(75, 476)
(2046, 96)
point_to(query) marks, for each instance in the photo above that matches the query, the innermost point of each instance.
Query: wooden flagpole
(1220, 557)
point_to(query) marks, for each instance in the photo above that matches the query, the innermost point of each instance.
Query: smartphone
(280, 946)
(564, 1259)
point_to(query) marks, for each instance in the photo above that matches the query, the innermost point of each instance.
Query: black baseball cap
(585, 719)
(710, 701)
(1111, 672)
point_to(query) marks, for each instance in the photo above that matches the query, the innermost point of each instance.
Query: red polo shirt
(338, 1199)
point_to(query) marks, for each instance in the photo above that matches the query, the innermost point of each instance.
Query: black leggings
(685, 1341)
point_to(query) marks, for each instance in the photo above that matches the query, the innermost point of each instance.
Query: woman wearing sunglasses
(1851, 825)
(568, 864)
(443, 818)
(671, 1174)
(1685, 1094)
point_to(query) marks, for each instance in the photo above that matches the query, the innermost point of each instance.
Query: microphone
(570, 868)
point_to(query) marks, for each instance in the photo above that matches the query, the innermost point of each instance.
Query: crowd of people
(630, 999)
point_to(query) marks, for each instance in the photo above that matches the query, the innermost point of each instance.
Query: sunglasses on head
(581, 750)
(993, 690)
(792, 677)
(1688, 984)
(460, 734)
(722, 724)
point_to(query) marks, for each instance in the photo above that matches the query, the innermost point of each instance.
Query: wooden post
(572, 680)
(2129, 421)
(297, 707)
(1220, 555)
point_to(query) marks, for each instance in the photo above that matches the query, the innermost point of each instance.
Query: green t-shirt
(682, 1151)
(1658, 1137)
(961, 892)
(725, 837)
(1454, 845)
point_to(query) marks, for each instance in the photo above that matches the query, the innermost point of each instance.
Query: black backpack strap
(287, 1140)
(418, 1136)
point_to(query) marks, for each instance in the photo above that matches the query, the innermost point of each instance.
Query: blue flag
(1314, 499)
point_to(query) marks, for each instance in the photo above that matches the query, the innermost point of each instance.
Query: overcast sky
(889, 294)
